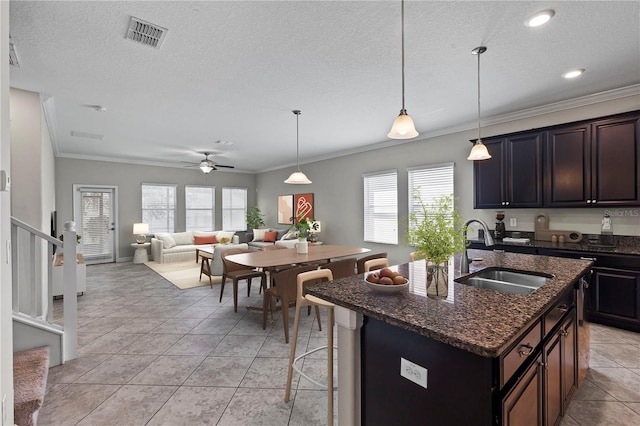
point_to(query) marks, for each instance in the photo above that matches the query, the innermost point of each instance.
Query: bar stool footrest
(298, 358)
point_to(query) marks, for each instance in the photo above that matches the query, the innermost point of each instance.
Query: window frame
(370, 216)
(414, 207)
(212, 209)
(225, 210)
(171, 211)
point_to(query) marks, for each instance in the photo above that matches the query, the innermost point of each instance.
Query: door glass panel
(96, 224)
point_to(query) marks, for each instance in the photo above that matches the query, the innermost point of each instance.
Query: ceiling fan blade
(227, 167)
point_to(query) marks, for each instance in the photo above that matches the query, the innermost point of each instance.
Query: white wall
(6, 325)
(338, 187)
(128, 178)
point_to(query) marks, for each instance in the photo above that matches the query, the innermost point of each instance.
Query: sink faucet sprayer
(488, 241)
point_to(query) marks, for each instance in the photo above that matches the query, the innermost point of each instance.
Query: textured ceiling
(233, 71)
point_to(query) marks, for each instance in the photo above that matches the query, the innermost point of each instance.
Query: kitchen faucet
(488, 241)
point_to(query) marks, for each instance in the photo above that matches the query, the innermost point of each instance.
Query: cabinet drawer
(555, 314)
(517, 355)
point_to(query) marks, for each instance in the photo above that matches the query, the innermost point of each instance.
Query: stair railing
(26, 279)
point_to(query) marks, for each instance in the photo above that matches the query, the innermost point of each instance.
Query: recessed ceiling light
(540, 18)
(573, 73)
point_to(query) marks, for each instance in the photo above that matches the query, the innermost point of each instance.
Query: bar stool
(309, 300)
(373, 264)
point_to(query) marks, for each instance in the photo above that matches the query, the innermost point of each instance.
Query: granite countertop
(622, 244)
(480, 321)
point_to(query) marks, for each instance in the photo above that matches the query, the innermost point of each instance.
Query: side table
(140, 255)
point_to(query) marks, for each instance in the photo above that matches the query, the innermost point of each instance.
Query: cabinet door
(488, 177)
(553, 379)
(614, 298)
(615, 162)
(569, 360)
(524, 170)
(568, 167)
(523, 405)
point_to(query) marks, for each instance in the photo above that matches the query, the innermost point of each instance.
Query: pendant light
(403, 127)
(297, 177)
(479, 150)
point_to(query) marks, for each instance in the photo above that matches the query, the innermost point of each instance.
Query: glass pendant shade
(403, 127)
(205, 167)
(298, 178)
(479, 152)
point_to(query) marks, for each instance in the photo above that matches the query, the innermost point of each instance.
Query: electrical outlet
(513, 221)
(414, 372)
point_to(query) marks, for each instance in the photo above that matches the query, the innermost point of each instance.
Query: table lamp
(140, 230)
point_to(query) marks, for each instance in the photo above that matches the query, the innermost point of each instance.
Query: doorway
(94, 213)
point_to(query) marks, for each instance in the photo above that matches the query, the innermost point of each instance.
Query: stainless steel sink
(506, 280)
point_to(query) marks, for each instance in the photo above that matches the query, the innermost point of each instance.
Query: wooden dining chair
(237, 272)
(284, 288)
(362, 260)
(413, 256)
(302, 300)
(373, 264)
(342, 268)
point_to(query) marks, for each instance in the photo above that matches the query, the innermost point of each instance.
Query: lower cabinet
(523, 405)
(544, 389)
(614, 297)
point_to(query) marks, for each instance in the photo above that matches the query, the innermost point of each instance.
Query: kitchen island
(471, 345)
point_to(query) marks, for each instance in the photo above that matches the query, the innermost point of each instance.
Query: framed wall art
(303, 204)
(285, 209)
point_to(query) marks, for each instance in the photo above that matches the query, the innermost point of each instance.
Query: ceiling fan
(207, 165)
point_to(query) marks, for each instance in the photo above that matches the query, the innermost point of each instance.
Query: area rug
(182, 274)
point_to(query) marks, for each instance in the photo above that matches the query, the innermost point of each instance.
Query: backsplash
(625, 220)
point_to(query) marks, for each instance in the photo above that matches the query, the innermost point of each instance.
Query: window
(381, 207)
(159, 207)
(234, 209)
(429, 183)
(200, 204)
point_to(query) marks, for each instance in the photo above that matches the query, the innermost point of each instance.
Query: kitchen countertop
(622, 244)
(480, 321)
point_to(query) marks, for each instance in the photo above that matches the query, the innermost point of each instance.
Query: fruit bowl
(386, 288)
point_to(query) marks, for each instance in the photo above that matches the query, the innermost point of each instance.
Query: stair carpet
(30, 370)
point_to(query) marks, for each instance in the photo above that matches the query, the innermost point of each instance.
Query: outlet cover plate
(513, 222)
(414, 372)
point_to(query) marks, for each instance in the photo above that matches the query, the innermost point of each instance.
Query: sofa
(260, 238)
(181, 246)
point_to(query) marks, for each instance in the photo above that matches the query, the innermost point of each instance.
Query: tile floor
(153, 354)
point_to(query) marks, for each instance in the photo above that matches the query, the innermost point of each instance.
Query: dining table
(274, 258)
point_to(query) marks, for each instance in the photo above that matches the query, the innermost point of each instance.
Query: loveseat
(260, 238)
(181, 246)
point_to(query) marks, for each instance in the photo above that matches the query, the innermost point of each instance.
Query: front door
(95, 218)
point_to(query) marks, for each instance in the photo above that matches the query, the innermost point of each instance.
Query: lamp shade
(403, 127)
(140, 228)
(298, 178)
(205, 167)
(479, 152)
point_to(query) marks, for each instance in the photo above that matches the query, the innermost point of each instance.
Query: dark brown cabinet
(594, 163)
(560, 371)
(523, 405)
(614, 297)
(512, 177)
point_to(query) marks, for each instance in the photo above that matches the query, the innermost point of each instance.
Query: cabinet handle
(507, 203)
(526, 351)
(594, 201)
(588, 201)
(564, 333)
(593, 259)
(498, 251)
(563, 308)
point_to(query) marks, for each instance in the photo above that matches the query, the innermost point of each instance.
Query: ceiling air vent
(13, 56)
(146, 33)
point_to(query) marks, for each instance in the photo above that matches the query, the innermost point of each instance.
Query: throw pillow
(211, 239)
(167, 240)
(290, 235)
(270, 236)
(182, 238)
(258, 234)
(281, 233)
(225, 234)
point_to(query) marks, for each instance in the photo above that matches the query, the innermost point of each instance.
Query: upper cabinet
(591, 163)
(512, 177)
(594, 163)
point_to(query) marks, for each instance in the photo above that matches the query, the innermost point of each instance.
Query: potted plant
(304, 226)
(437, 233)
(254, 218)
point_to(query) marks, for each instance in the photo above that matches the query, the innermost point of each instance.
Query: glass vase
(437, 279)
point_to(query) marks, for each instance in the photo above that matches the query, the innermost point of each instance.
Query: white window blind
(234, 209)
(96, 221)
(429, 183)
(381, 207)
(159, 207)
(199, 204)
